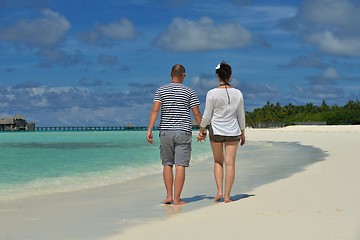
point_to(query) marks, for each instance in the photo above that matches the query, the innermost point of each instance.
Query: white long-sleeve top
(226, 119)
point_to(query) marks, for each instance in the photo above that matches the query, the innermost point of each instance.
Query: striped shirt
(176, 102)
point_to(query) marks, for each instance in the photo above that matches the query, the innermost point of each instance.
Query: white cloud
(317, 92)
(120, 30)
(330, 73)
(186, 35)
(329, 12)
(46, 31)
(123, 29)
(331, 25)
(49, 106)
(329, 43)
(203, 83)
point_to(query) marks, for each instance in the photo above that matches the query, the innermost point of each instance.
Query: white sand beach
(309, 200)
(320, 203)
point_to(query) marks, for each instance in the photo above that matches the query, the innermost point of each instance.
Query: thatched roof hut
(15, 123)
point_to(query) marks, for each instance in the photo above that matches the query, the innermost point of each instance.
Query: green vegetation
(289, 114)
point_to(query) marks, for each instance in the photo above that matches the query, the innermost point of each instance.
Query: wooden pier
(93, 128)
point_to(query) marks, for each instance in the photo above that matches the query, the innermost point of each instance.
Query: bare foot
(227, 200)
(168, 200)
(180, 202)
(218, 197)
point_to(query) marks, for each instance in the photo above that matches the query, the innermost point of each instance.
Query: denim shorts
(175, 148)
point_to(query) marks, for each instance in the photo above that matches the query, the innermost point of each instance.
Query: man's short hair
(177, 70)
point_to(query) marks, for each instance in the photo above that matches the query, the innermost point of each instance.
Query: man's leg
(168, 181)
(182, 158)
(179, 184)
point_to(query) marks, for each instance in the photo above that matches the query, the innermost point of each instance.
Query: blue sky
(83, 62)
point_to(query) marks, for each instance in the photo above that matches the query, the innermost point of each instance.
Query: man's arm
(197, 114)
(153, 116)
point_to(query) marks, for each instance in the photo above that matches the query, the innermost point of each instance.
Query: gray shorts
(175, 148)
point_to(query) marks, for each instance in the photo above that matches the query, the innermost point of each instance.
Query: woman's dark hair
(223, 70)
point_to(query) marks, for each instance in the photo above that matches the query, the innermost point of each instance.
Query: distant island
(275, 115)
(269, 116)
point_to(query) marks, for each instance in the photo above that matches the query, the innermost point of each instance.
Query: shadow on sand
(176, 209)
(202, 197)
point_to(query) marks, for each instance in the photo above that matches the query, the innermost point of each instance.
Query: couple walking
(224, 111)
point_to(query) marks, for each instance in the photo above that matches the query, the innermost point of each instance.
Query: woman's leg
(217, 149)
(230, 154)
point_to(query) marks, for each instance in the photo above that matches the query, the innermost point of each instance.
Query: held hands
(201, 136)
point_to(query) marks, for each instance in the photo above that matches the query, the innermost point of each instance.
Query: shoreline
(280, 205)
(102, 211)
(318, 203)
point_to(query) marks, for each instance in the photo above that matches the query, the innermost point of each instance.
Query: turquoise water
(37, 163)
(40, 163)
(34, 163)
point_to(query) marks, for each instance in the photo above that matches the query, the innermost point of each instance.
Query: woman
(224, 111)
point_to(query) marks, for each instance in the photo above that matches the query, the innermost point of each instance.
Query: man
(175, 101)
